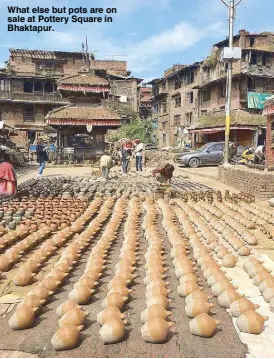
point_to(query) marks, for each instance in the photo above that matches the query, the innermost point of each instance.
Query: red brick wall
(269, 150)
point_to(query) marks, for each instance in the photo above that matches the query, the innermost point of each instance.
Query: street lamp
(231, 5)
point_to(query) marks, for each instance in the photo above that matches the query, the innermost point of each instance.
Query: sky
(151, 35)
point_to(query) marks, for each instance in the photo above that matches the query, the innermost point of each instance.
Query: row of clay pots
(24, 315)
(156, 328)
(224, 232)
(32, 266)
(70, 311)
(197, 302)
(111, 317)
(248, 320)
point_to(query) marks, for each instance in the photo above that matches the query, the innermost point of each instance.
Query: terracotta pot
(33, 227)
(63, 225)
(54, 226)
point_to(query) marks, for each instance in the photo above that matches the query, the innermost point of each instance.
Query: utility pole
(231, 19)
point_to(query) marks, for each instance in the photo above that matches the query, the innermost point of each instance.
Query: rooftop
(223, 42)
(42, 54)
(82, 113)
(238, 118)
(84, 79)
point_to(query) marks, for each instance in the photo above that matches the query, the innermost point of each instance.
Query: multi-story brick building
(28, 86)
(253, 74)
(174, 104)
(195, 96)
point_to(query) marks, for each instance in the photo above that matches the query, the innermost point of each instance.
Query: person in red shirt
(8, 180)
(164, 173)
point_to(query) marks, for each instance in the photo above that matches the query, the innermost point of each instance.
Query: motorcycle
(247, 156)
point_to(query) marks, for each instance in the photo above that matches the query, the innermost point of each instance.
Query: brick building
(195, 96)
(174, 102)
(145, 102)
(28, 86)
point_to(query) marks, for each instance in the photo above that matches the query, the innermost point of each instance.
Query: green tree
(138, 128)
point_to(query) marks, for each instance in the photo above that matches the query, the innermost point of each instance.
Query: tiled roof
(238, 118)
(84, 79)
(83, 113)
(41, 54)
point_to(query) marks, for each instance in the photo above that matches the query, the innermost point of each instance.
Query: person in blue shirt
(42, 157)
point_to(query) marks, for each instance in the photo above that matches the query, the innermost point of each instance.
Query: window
(164, 107)
(190, 97)
(264, 59)
(177, 120)
(206, 95)
(252, 41)
(28, 87)
(156, 90)
(178, 101)
(190, 78)
(5, 85)
(28, 113)
(156, 108)
(251, 84)
(164, 85)
(38, 87)
(49, 87)
(164, 139)
(177, 84)
(203, 112)
(222, 90)
(215, 148)
(253, 60)
(189, 117)
(164, 125)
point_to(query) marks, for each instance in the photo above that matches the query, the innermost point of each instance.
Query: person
(105, 164)
(8, 180)
(126, 155)
(164, 173)
(139, 154)
(232, 152)
(42, 157)
(259, 155)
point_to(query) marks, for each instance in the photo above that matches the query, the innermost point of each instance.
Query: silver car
(210, 154)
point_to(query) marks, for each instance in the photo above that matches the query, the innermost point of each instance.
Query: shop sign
(257, 100)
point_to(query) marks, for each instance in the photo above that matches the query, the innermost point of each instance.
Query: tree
(141, 129)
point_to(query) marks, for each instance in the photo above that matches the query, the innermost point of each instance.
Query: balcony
(38, 97)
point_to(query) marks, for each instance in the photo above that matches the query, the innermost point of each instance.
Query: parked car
(150, 146)
(211, 153)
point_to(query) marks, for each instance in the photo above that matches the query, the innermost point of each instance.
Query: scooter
(247, 156)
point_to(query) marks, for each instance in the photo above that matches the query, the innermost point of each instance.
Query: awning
(80, 122)
(94, 89)
(35, 127)
(269, 110)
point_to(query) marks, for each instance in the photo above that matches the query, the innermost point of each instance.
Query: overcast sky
(151, 35)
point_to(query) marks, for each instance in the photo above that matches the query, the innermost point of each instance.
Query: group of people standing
(128, 150)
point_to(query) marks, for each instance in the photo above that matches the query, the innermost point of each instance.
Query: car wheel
(176, 159)
(194, 162)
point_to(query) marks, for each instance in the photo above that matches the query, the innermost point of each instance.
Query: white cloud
(147, 53)
(63, 38)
